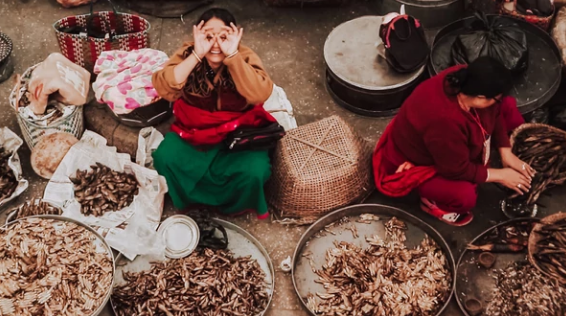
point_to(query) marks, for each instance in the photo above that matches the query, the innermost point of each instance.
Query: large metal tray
(99, 242)
(536, 86)
(473, 281)
(240, 242)
(303, 276)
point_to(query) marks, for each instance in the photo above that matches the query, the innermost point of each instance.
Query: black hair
(219, 13)
(484, 76)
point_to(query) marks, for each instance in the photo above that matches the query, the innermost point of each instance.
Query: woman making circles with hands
(216, 83)
(439, 143)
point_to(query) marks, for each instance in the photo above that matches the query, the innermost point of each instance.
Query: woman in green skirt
(216, 84)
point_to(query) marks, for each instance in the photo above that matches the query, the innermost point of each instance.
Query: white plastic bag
(148, 140)
(280, 108)
(11, 143)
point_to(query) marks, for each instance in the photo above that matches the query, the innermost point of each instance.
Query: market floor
(290, 43)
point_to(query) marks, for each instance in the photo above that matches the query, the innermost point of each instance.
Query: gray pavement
(290, 43)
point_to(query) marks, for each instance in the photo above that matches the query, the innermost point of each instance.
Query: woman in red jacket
(440, 141)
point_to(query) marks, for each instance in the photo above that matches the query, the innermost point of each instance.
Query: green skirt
(231, 181)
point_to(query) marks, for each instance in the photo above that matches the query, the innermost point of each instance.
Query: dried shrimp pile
(8, 182)
(523, 291)
(40, 208)
(102, 190)
(387, 279)
(543, 149)
(212, 282)
(51, 268)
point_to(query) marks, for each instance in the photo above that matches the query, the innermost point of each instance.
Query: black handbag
(255, 138)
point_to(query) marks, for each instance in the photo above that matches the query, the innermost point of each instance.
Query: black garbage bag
(540, 116)
(500, 38)
(558, 116)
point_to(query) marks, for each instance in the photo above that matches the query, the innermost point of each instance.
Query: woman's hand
(203, 40)
(229, 39)
(511, 161)
(511, 179)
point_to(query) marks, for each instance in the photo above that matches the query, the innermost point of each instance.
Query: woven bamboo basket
(318, 168)
(535, 237)
(542, 22)
(526, 127)
(305, 3)
(6, 63)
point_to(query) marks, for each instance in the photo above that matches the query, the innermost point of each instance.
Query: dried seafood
(523, 291)
(208, 283)
(550, 252)
(102, 189)
(387, 279)
(32, 208)
(543, 149)
(51, 268)
(8, 181)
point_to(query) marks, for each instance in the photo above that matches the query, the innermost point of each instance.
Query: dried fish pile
(207, 283)
(543, 149)
(8, 181)
(51, 271)
(32, 208)
(102, 189)
(523, 291)
(551, 249)
(386, 279)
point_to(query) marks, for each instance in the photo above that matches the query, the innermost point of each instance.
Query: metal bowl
(14, 213)
(99, 240)
(304, 278)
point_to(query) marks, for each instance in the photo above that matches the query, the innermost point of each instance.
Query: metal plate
(99, 242)
(473, 281)
(354, 59)
(304, 278)
(536, 86)
(240, 242)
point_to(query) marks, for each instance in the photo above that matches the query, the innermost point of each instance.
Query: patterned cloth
(124, 78)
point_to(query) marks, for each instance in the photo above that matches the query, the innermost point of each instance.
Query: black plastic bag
(540, 116)
(500, 38)
(558, 116)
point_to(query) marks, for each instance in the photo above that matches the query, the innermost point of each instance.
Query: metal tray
(240, 242)
(536, 86)
(99, 242)
(303, 276)
(473, 281)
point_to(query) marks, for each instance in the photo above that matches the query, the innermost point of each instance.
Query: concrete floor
(290, 43)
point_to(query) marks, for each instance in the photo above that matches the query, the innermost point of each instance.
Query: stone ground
(290, 42)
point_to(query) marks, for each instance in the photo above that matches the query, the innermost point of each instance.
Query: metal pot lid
(351, 53)
(180, 234)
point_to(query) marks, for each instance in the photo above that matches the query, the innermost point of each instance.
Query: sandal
(454, 219)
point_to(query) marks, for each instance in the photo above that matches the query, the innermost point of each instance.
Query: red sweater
(432, 130)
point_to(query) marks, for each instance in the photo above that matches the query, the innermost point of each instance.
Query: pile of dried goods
(544, 149)
(50, 267)
(8, 182)
(32, 208)
(387, 279)
(550, 251)
(523, 291)
(211, 282)
(102, 189)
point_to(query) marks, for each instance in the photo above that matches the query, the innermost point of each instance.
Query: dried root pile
(8, 181)
(209, 283)
(551, 249)
(387, 279)
(102, 190)
(523, 291)
(32, 208)
(51, 271)
(544, 150)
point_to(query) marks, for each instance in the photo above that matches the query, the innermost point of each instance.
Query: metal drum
(357, 78)
(536, 86)
(431, 13)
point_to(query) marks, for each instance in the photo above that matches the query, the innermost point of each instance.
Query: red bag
(83, 37)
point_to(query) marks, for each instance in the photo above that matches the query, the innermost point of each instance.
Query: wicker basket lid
(5, 46)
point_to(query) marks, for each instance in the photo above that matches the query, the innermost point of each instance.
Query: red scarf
(201, 127)
(401, 183)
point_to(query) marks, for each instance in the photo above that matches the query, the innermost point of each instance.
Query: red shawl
(201, 127)
(401, 183)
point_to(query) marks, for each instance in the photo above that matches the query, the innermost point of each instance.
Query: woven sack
(32, 132)
(318, 168)
(306, 3)
(127, 32)
(541, 22)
